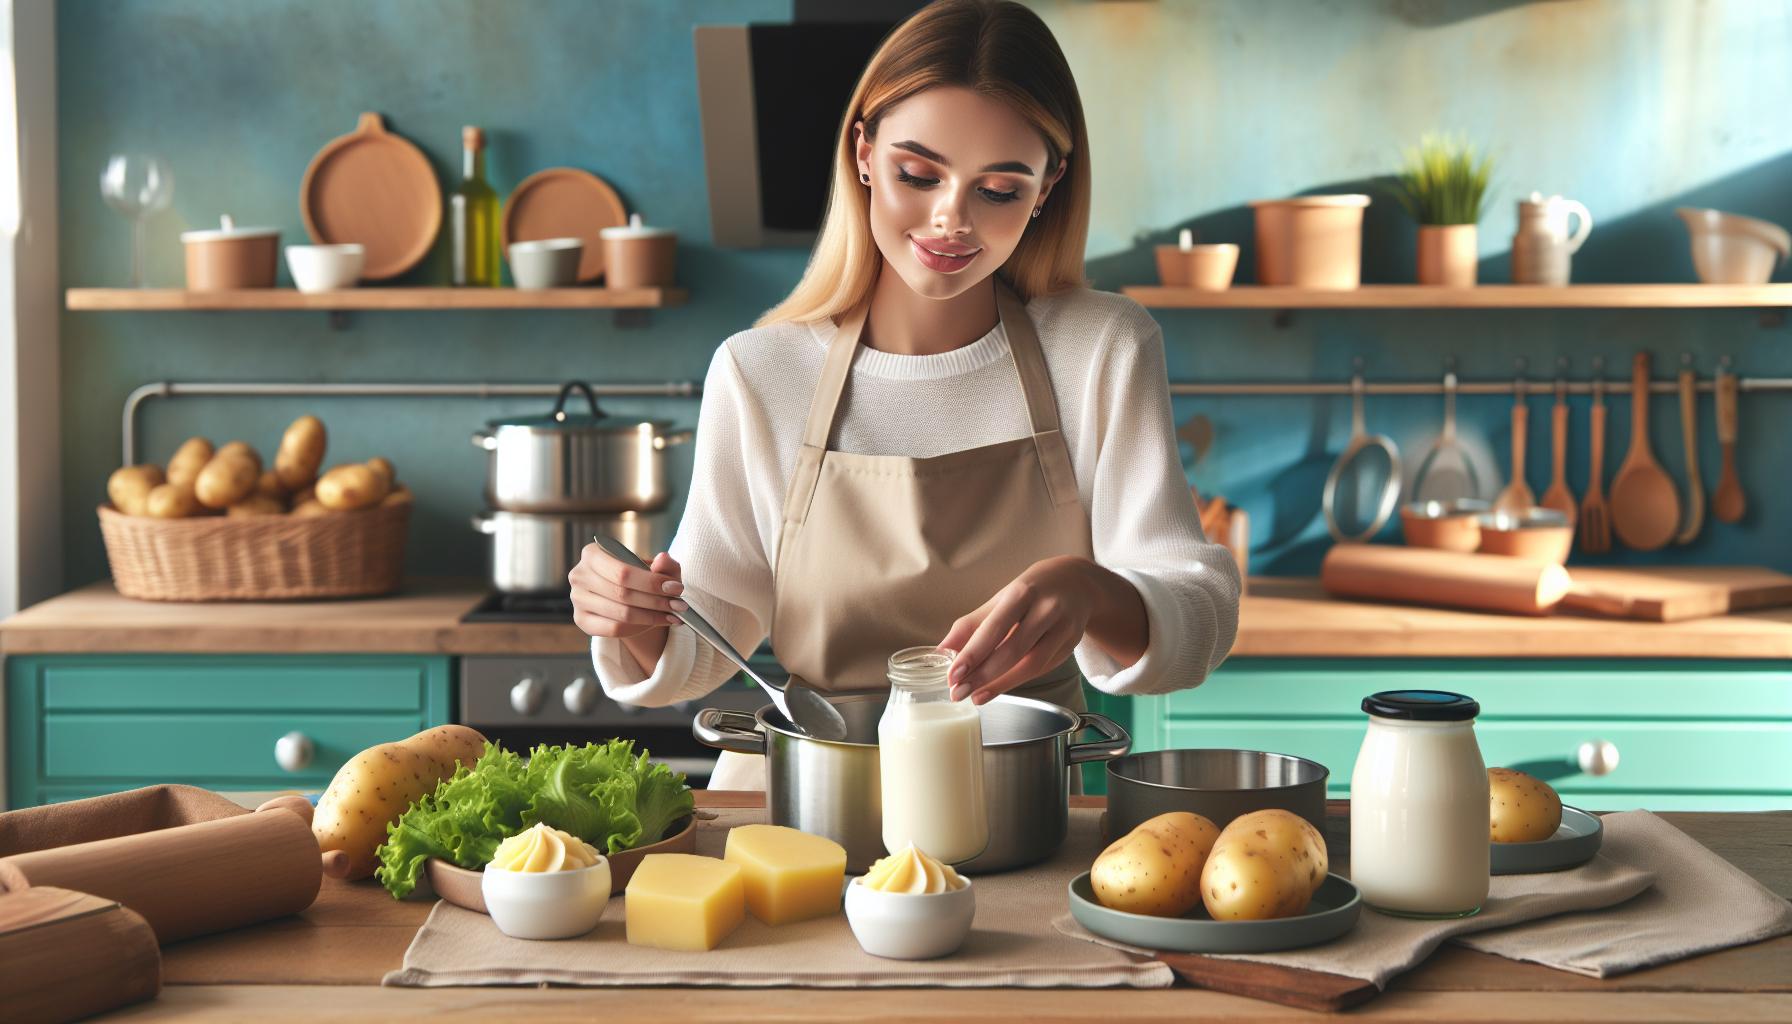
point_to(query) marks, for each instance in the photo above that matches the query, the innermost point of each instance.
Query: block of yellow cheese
(682, 901)
(789, 875)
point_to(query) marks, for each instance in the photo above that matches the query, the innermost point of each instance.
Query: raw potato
(377, 785)
(383, 466)
(128, 488)
(268, 486)
(226, 480)
(351, 487)
(308, 508)
(1156, 868)
(301, 452)
(171, 501)
(257, 505)
(1265, 864)
(241, 449)
(188, 460)
(401, 495)
(1521, 808)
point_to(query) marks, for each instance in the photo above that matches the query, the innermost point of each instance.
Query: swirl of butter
(913, 872)
(541, 848)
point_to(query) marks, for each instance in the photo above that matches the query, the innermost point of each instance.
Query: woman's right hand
(612, 599)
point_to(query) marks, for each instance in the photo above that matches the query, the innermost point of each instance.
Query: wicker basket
(256, 558)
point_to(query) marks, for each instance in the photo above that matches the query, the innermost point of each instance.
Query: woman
(942, 435)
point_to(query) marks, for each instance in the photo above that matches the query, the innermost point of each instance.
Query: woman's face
(955, 177)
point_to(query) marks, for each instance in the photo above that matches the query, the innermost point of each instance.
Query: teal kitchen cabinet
(81, 725)
(1689, 735)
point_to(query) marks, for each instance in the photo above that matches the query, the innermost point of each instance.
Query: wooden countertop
(327, 963)
(1280, 618)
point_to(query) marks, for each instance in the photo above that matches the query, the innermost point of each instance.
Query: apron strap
(835, 368)
(1036, 386)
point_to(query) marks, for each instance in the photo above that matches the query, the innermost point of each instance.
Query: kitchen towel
(1012, 943)
(1699, 902)
(1691, 901)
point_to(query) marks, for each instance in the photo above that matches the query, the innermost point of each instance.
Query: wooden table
(326, 964)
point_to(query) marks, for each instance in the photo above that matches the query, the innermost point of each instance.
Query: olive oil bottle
(473, 217)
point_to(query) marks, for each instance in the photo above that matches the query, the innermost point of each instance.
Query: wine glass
(137, 185)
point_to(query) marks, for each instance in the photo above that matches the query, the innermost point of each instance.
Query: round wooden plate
(565, 202)
(463, 888)
(373, 187)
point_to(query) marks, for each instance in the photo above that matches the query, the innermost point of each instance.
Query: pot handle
(665, 441)
(1115, 741)
(485, 524)
(481, 439)
(566, 392)
(728, 730)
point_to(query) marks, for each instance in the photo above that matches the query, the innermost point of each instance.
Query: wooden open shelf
(1493, 296)
(371, 298)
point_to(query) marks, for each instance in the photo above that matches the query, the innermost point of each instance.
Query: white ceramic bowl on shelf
(546, 262)
(1728, 249)
(325, 268)
(546, 904)
(909, 926)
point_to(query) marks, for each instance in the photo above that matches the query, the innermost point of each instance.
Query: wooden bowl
(1539, 534)
(462, 888)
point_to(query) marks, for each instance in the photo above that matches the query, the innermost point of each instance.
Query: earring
(1037, 210)
(866, 178)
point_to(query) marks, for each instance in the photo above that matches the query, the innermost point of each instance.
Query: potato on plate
(1265, 864)
(1521, 808)
(128, 488)
(1156, 868)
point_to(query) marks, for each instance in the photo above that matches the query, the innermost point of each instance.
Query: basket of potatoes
(218, 525)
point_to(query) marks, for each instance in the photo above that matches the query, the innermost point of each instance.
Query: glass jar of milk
(1419, 843)
(930, 755)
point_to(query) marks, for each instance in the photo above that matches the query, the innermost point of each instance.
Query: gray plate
(1333, 912)
(1574, 843)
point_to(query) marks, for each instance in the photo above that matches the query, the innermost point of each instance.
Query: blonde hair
(999, 49)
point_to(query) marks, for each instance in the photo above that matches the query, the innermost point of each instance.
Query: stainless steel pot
(1217, 784)
(533, 553)
(567, 462)
(834, 789)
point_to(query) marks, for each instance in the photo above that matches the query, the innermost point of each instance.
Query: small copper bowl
(1539, 534)
(1445, 525)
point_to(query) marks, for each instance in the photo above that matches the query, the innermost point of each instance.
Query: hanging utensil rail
(1540, 386)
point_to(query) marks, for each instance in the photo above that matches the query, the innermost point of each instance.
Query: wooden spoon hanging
(1645, 504)
(1517, 495)
(1559, 497)
(1727, 502)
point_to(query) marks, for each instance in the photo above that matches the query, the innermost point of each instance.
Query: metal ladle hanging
(1362, 443)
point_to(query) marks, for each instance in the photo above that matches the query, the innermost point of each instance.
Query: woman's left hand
(1028, 627)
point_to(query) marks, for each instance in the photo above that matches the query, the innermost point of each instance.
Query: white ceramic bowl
(1729, 249)
(325, 268)
(902, 926)
(546, 904)
(546, 262)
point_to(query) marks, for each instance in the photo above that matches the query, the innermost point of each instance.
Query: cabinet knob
(527, 695)
(1597, 757)
(581, 695)
(293, 752)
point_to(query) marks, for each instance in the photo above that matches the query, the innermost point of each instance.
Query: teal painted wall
(1632, 106)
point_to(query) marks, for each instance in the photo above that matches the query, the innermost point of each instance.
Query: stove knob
(527, 695)
(581, 695)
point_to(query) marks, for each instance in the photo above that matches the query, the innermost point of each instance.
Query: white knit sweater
(1106, 359)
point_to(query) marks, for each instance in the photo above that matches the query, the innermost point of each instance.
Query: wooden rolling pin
(192, 879)
(67, 955)
(1494, 583)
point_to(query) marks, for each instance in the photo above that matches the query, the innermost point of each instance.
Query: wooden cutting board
(66, 955)
(1673, 594)
(1289, 986)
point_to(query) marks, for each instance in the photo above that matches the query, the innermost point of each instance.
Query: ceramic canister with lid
(638, 256)
(1419, 840)
(227, 257)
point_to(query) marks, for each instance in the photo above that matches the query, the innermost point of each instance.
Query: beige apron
(882, 552)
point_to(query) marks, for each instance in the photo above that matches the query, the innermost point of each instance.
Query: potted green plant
(1443, 185)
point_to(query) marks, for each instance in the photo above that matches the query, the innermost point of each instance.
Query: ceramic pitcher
(1542, 246)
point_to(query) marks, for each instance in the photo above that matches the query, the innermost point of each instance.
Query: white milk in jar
(930, 754)
(1419, 843)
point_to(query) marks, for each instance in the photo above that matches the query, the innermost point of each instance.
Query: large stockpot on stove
(532, 554)
(577, 462)
(835, 789)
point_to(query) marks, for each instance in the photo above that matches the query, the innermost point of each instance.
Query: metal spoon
(801, 706)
